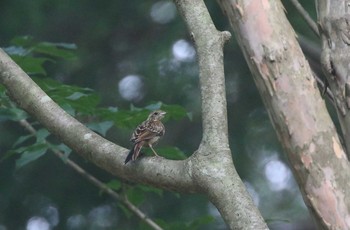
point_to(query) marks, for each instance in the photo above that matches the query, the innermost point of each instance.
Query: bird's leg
(153, 151)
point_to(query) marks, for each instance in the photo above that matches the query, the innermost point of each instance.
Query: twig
(306, 16)
(97, 183)
(324, 88)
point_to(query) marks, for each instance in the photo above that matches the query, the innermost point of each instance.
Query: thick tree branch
(212, 165)
(295, 107)
(159, 172)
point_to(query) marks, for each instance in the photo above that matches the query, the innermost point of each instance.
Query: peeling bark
(334, 20)
(296, 109)
(212, 165)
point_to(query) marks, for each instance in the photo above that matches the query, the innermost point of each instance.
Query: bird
(147, 134)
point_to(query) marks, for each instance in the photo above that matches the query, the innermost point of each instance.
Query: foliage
(32, 55)
(77, 101)
(82, 103)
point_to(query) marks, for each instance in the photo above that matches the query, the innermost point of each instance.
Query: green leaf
(177, 195)
(70, 46)
(47, 84)
(13, 114)
(145, 188)
(63, 148)
(68, 108)
(114, 184)
(25, 41)
(124, 119)
(197, 223)
(190, 116)
(60, 50)
(101, 127)
(125, 210)
(32, 153)
(75, 96)
(107, 113)
(173, 153)
(175, 112)
(74, 99)
(134, 108)
(2, 91)
(31, 65)
(30, 55)
(41, 135)
(22, 139)
(16, 50)
(155, 106)
(13, 152)
(85, 104)
(136, 196)
(113, 109)
(130, 119)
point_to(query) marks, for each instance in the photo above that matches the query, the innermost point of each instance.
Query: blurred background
(138, 53)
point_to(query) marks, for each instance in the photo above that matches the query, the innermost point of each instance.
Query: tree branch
(212, 165)
(298, 113)
(334, 17)
(306, 16)
(159, 172)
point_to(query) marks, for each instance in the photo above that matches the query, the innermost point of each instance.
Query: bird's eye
(156, 113)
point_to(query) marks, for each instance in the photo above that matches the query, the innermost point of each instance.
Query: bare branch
(306, 16)
(212, 165)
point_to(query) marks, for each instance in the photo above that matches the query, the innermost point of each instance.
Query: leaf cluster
(82, 103)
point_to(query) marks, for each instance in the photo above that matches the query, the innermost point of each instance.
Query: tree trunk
(296, 109)
(334, 19)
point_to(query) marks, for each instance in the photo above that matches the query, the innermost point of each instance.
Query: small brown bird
(147, 133)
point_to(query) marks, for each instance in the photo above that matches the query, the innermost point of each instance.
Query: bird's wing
(147, 130)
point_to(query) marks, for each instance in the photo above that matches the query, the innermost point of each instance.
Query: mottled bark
(334, 20)
(212, 165)
(295, 107)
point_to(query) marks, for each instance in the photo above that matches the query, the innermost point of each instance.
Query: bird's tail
(134, 152)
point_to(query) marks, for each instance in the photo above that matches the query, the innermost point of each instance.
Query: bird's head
(156, 115)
